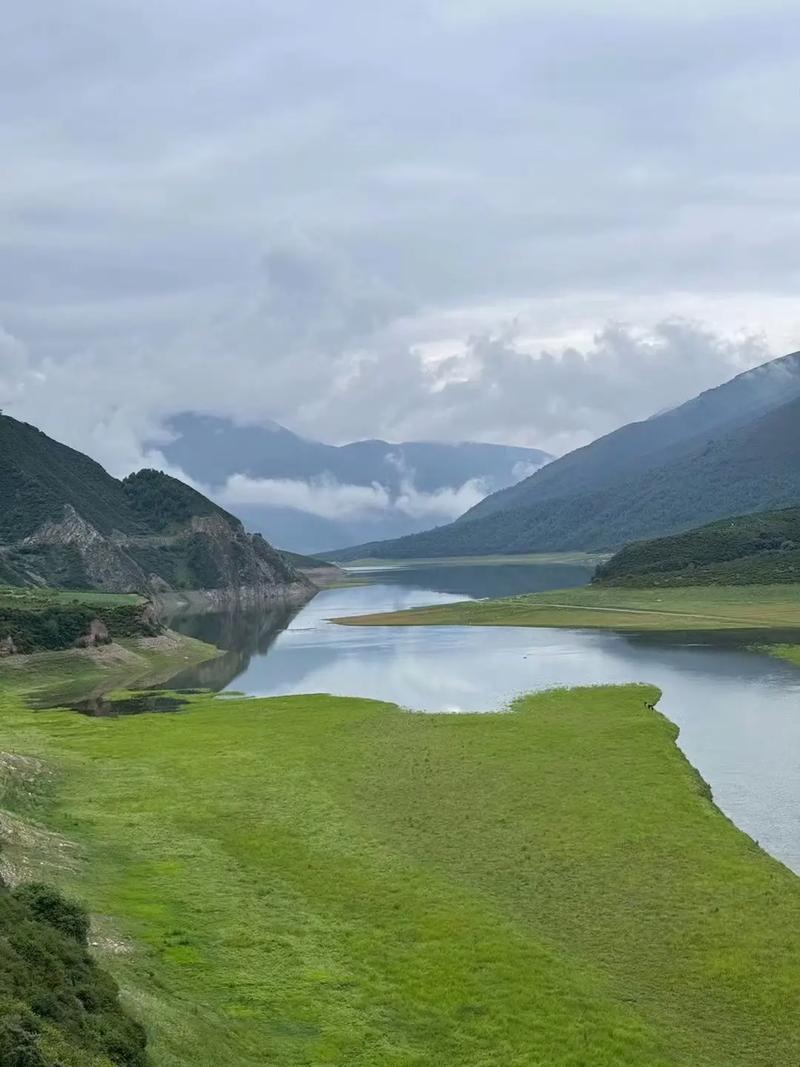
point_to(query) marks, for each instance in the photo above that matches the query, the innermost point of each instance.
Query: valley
(372, 813)
(400, 535)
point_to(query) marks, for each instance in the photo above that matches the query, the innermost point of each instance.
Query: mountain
(65, 522)
(763, 548)
(731, 449)
(308, 495)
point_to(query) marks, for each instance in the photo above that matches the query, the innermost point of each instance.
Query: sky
(509, 221)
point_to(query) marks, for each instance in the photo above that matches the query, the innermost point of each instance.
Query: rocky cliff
(65, 522)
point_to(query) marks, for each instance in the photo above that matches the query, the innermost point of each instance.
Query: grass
(787, 652)
(67, 675)
(38, 620)
(15, 596)
(319, 880)
(587, 559)
(689, 608)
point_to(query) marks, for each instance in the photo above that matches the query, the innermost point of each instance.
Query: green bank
(40, 619)
(745, 607)
(319, 880)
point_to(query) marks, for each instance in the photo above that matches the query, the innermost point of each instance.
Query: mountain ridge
(648, 478)
(67, 523)
(404, 485)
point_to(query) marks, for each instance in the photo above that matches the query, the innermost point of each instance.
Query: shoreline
(690, 608)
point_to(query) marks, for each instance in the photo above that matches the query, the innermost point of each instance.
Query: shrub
(49, 906)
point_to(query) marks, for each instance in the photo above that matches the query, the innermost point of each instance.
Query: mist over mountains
(730, 450)
(310, 496)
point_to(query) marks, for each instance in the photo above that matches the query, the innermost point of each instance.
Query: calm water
(738, 712)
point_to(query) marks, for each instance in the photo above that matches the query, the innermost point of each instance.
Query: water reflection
(242, 635)
(103, 707)
(471, 581)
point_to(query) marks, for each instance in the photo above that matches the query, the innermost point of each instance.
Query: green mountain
(759, 549)
(730, 450)
(65, 522)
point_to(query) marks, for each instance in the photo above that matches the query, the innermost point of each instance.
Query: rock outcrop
(65, 522)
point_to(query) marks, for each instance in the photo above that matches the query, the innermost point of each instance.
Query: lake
(738, 711)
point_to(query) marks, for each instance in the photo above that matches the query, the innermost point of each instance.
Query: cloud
(267, 212)
(491, 387)
(330, 499)
(497, 387)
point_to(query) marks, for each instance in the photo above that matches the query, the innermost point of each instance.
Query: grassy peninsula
(747, 607)
(320, 880)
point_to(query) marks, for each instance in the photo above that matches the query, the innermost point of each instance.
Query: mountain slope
(643, 446)
(305, 496)
(38, 476)
(66, 522)
(763, 548)
(733, 449)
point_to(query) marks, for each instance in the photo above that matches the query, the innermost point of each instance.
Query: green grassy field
(319, 880)
(77, 673)
(28, 596)
(690, 608)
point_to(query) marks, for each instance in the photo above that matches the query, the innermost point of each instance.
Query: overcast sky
(507, 221)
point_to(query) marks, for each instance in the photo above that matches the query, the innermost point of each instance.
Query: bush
(19, 1039)
(56, 1005)
(49, 906)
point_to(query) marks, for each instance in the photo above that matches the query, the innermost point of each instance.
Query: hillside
(66, 523)
(733, 449)
(38, 620)
(754, 549)
(412, 478)
(58, 1007)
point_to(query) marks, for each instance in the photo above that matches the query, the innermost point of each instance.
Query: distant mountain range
(65, 522)
(763, 548)
(307, 496)
(732, 449)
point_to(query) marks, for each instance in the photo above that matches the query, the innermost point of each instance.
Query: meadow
(320, 880)
(746, 607)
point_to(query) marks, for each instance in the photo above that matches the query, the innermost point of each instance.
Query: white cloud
(320, 496)
(264, 211)
(331, 499)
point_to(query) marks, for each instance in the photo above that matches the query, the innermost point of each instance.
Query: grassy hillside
(161, 503)
(722, 454)
(617, 608)
(407, 889)
(745, 550)
(38, 475)
(37, 620)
